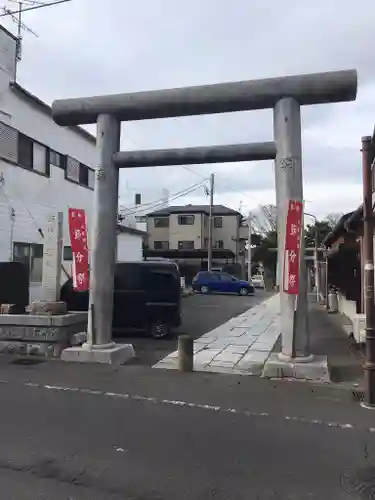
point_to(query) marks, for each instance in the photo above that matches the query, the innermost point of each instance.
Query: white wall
(129, 247)
(32, 196)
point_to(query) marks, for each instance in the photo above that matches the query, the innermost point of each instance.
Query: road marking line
(186, 404)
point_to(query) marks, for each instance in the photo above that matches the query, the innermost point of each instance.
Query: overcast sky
(92, 47)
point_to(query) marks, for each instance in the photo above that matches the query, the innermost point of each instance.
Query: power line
(161, 201)
(192, 171)
(16, 16)
(160, 204)
(33, 7)
(218, 174)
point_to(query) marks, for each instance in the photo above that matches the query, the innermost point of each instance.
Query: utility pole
(249, 251)
(210, 223)
(368, 247)
(17, 16)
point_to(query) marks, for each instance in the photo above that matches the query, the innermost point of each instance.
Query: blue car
(206, 282)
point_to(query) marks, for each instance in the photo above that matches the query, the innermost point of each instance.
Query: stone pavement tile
(240, 346)
(198, 347)
(269, 337)
(242, 340)
(257, 328)
(269, 334)
(206, 356)
(219, 344)
(239, 326)
(252, 357)
(221, 364)
(208, 340)
(227, 356)
(237, 349)
(263, 346)
(170, 364)
(221, 369)
(237, 331)
(272, 329)
(172, 355)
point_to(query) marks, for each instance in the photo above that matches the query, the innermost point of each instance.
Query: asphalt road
(200, 314)
(86, 432)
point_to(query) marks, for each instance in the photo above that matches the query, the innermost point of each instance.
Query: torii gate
(285, 95)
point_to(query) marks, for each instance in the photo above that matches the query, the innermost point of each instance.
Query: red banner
(292, 250)
(78, 243)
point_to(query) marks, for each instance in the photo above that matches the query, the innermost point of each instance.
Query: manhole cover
(27, 361)
(360, 483)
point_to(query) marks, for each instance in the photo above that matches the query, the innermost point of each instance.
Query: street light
(316, 238)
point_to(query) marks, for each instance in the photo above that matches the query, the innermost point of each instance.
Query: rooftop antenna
(16, 16)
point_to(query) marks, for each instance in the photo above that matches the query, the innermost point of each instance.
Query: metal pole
(368, 248)
(316, 258)
(316, 265)
(326, 283)
(210, 223)
(288, 172)
(104, 237)
(249, 252)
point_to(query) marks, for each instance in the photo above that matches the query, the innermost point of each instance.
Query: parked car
(258, 281)
(206, 282)
(146, 297)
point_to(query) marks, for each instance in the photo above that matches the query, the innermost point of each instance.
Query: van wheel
(243, 291)
(159, 329)
(204, 289)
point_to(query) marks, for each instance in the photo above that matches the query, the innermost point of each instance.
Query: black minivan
(147, 297)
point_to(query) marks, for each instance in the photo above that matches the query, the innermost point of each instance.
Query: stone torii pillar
(284, 95)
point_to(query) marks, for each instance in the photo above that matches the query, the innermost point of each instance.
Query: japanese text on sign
(292, 247)
(78, 243)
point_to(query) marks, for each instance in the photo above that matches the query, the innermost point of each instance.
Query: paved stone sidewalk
(240, 346)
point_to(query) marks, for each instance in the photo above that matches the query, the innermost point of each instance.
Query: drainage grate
(27, 361)
(360, 483)
(358, 395)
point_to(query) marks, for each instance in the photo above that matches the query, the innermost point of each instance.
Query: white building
(44, 169)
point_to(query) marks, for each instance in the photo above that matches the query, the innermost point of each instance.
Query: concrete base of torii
(313, 368)
(112, 354)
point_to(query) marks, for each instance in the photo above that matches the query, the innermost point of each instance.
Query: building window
(56, 159)
(31, 255)
(67, 253)
(218, 222)
(25, 151)
(161, 222)
(83, 175)
(219, 244)
(8, 142)
(186, 220)
(161, 245)
(40, 159)
(72, 169)
(186, 245)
